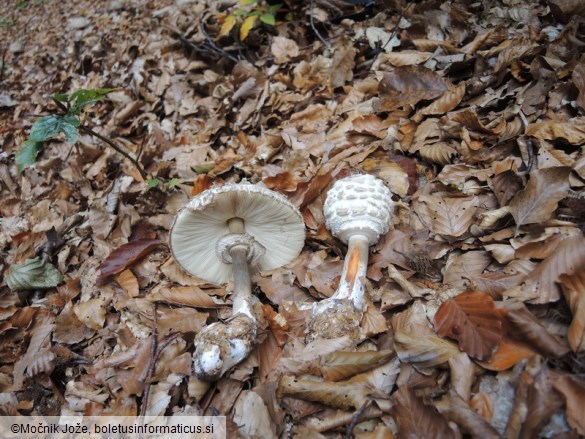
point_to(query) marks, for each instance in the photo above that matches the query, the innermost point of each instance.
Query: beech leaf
(35, 274)
(539, 199)
(337, 366)
(572, 132)
(470, 318)
(126, 255)
(574, 291)
(408, 85)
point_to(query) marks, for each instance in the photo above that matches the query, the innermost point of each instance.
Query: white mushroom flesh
(358, 211)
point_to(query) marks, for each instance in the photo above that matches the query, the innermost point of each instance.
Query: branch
(116, 148)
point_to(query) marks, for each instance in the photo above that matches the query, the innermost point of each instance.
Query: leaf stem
(116, 148)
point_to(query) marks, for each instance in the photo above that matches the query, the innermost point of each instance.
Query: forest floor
(471, 113)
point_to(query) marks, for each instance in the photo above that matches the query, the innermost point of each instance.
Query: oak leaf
(471, 318)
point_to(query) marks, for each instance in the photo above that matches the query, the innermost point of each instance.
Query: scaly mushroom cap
(358, 204)
(269, 218)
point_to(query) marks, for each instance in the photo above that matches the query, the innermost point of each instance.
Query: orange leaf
(201, 183)
(227, 25)
(247, 25)
(471, 318)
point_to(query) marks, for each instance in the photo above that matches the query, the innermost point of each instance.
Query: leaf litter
(471, 113)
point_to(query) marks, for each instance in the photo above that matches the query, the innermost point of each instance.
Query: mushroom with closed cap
(222, 234)
(358, 210)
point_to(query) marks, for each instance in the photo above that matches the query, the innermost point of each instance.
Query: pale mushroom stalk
(357, 211)
(222, 234)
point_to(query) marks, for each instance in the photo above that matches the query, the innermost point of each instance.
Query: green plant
(67, 122)
(249, 11)
(171, 183)
(6, 22)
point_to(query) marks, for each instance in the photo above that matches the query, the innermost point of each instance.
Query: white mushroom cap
(359, 204)
(269, 218)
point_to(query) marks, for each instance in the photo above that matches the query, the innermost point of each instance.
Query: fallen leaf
(415, 419)
(171, 320)
(447, 102)
(539, 199)
(185, 296)
(92, 313)
(126, 255)
(448, 216)
(573, 390)
(572, 132)
(408, 85)
(423, 351)
(283, 49)
(540, 286)
(471, 318)
(574, 291)
(35, 274)
(506, 185)
(405, 57)
(251, 416)
(338, 366)
(247, 26)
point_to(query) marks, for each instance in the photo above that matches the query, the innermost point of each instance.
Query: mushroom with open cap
(220, 235)
(358, 211)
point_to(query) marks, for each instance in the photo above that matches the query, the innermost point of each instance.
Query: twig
(355, 419)
(2, 68)
(116, 148)
(150, 371)
(395, 31)
(212, 43)
(312, 21)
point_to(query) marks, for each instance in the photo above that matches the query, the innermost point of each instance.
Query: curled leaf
(337, 366)
(35, 274)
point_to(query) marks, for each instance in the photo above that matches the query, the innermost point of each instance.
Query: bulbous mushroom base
(220, 346)
(337, 319)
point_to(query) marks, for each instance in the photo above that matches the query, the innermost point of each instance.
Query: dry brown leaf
(578, 78)
(483, 405)
(252, 417)
(338, 366)
(92, 313)
(540, 285)
(391, 172)
(126, 255)
(449, 217)
(514, 52)
(171, 320)
(526, 328)
(408, 85)
(69, 329)
(572, 132)
(449, 101)
(415, 419)
(405, 57)
(283, 49)
(441, 153)
(373, 321)
(455, 409)
(423, 351)
(506, 185)
(344, 395)
(471, 318)
(278, 325)
(507, 355)
(201, 183)
(574, 292)
(464, 268)
(129, 283)
(573, 390)
(342, 64)
(185, 296)
(539, 199)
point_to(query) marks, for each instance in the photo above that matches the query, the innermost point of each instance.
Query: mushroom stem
(242, 284)
(354, 269)
(236, 225)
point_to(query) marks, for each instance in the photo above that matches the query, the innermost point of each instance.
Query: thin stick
(311, 17)
(212, 43)
(115, 148)
(2, 69)
(150, 371)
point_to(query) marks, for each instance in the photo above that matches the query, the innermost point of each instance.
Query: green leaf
(239, 12)
(174, 182)
(272, 9)
(49, 126)
(83, 97)
(268, 19)
(153, 182)
(35, 274)
(248, 2)
(27, 154)
(61, 97)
